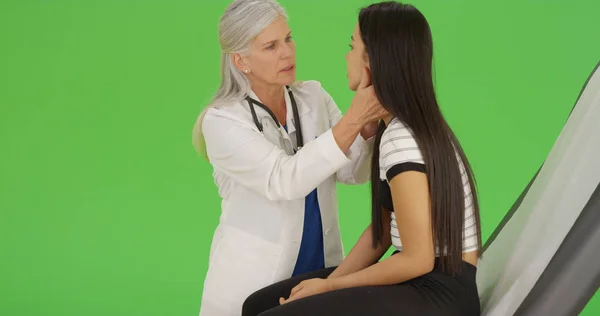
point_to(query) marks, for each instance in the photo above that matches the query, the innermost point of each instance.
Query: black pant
(431, 294)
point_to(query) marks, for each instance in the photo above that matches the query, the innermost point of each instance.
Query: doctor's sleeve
(358, 171)
(250, 159)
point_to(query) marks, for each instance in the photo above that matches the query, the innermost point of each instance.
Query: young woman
(423, 193)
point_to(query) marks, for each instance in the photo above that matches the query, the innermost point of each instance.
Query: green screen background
(105, 209)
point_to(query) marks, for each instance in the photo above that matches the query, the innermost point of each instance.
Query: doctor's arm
(251, 160)
(360, 153)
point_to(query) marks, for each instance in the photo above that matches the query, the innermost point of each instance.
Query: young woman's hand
(308, 288)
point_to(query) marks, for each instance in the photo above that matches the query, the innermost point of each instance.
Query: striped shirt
(399, 152)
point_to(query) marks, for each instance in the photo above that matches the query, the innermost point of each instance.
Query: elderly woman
(277, 147)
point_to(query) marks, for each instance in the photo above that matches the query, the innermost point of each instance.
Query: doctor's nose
(287, 51)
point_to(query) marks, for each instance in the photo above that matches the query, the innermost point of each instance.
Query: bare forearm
(393, 270)
(346, 131)
(362, 254)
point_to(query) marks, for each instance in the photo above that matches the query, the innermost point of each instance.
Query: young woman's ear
(366, 60)
(367, 67)
(365, 77)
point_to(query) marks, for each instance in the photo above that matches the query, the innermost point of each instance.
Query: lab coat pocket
(242, 264)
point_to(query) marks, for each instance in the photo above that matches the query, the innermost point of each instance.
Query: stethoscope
(252, 102)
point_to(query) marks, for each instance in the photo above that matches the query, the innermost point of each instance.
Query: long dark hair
(399, 45)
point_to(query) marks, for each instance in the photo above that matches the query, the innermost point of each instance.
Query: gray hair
(241, 22)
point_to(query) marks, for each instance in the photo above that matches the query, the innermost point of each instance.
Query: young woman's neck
(387, 119)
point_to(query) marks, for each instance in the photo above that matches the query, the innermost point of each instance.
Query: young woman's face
(356, 59)
(272, 58)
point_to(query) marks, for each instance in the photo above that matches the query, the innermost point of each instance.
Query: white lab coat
(263, 184)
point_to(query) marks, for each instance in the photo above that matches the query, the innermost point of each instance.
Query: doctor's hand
(308, 288)
(365, 105)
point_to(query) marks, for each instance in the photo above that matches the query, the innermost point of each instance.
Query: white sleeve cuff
(331, 151)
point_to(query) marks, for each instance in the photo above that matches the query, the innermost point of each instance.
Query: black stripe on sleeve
(403, 167)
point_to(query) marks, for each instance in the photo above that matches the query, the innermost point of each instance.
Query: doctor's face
(356, 59)
(272, 58)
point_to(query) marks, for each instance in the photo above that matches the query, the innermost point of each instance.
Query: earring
(247, 70)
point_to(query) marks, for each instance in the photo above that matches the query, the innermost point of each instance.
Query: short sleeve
(398, 151)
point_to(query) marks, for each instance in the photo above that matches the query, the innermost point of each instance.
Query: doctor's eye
(289, 39)
(271, 47)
